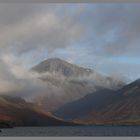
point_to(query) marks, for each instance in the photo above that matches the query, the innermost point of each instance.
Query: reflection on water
(73, 131)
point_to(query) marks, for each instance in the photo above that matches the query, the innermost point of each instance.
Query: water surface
(73, 131)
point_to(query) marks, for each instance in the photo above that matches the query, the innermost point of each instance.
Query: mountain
(61, 67)
(106, 107)
(68, 82)
(85, 105)
(17, 112)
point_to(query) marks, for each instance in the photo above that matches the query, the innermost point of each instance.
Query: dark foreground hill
(106, 107)
(17, 112)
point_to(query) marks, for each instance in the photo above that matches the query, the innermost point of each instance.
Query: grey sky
(104, 37)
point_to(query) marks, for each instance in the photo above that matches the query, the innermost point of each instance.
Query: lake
(73, 131)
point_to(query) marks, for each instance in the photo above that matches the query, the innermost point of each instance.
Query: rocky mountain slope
(68, 82)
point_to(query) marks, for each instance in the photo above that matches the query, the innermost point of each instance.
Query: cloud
(117, 29)
(86, 34)
(110, 29)
(18, 81)
(34, 28)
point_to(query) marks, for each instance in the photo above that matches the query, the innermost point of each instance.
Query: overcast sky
(104, 37)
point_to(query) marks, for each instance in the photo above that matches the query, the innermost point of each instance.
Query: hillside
(17, 112)
(106, 107)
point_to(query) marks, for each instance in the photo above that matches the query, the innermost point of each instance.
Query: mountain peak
(61, 67)
(55, 59)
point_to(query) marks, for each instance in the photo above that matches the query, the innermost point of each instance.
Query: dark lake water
(73, 131)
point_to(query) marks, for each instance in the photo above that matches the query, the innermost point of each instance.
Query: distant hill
(106, 107)
(15, 111)
(69, 82)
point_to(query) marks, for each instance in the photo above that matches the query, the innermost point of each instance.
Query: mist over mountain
(68, 82)
(73, 94)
